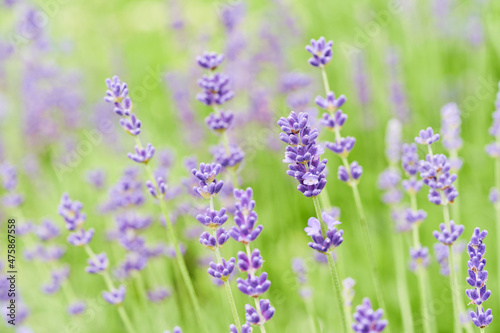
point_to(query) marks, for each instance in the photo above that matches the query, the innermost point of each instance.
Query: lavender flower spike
(254, 318)
(420, 257)
(352, 175)
(212, 218)
(117, 94)
(321, 52)
(367, 320)
(115, 296)
(81, 237)
(427, 137)
(324, 245)
(98, 264)
(131, 125)
(71, 211)
(448, 237)
(254, 286)
(207, 174)
(76, 308)
(210, 60)
(142, 155)
(222, 270)
(330, 103)
(252, 264)
(245, 217)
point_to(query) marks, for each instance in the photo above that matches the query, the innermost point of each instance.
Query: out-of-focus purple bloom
(414, 217)
(330, 103)
(96, 178)
(388, 179)
(397, 89)
(321, 243)
(131, 125)
(427, 137)
(448, 237)
(409, 159)
(115, 296)
(158, 294)
(133, 221)
(367, 320)
(419, 258)
(117, 94)
(81, 237)
(51, 253)
(228, 159)
(212, 218)
(450, 126)
(142, 155)
(47, 230)
(442, 256)
(348, 291)
(254, 318)
(245, 217)
(222, 270)
(157, 190)
(494, 195)
(300, 270)
(252, 264)
(246, 328)
(412, 186)
(333, 122)
(393, 148)
(9, 176)
(254, 286)
(220, 122)
(97, 264)
(215, 89)
(71, 211)
(321, 52)
(76, 308)
(12, 200)
(342, 147)
(294, 81)
(352, 175)
(210, 60)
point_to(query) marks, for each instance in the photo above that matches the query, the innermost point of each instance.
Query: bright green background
(126, 37)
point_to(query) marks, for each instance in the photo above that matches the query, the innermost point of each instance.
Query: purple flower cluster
(477, 279)
(367, 320)
(448, 237)
(303, 154)
(320, 242)
(72, 213)
(115, 296)
(207, 175)
(321, 52)
(9, 181)
(435, 172)
(245, 218)
(450, 132)
(266, 313)
(419, 258)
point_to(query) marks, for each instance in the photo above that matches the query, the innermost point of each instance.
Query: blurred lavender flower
(117, 94)
(96, 178)
(367, 320)
(47, 230)
(131, 125)
(246, 328)
(442, 256)
(215, 89)
(448, 237)
(157, 190)
(81, 237)
(342, 146)
(321, 52)
(330, 103)
(427, 137)
(228, 159)
(177, 329)
(76, 308)
(348, 291)
(210, 60)
(158, 294)
(450, 126)
(419, 258)
(398, 94)
(142, 155)
(71, 211)
(293, 81)
(97, 264)
(115, 296)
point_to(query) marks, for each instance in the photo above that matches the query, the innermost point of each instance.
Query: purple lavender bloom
(246, 328)
(76, 308)
(367, 320)
(477, 275)
(142, 155)
(448, 237)
(212, 242)
(450, 126)
(96, 178)
(220, 122)
(494, 195)
(117, 94)
(419, 258)
(409, 159)
(320, 243)
(81, 237)
(222, 270)
(212, 218)
(158, 294)
(293, 124)
(414, 217)
(254, 286)
(9, 176)
(342, 147)
(442, 253)
(427, 137)
(210, 60)
(352, 175)
(115, 296)
(71, 211)
(480, 318)
(47, 230)
(348, 291)
(157, 190)
(294, 81)
(131, 125)
(412, 186)
(215, 89)
(393, 146)
(12, 200)
(245, 217)
(252, 264)
(311, 181)
(97, 264)
(134, 262)
(51, 253)
(133, 221)
(333, 122)
(207, 174)
(321, 52)
(254, 318)
(225, 159)
(389, 179)
(493, 149)
(330, 103)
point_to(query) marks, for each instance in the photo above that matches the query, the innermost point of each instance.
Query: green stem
(232, 303)
(497, 211)
(401, 283)
(368, 245)
(453, 276)
(326, 85)
(333, 270)
(125, 319)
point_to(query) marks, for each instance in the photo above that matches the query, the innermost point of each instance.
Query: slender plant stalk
(497, 211)
(333, 270)
(421, 275)
(109, 283)
(401, 283)
(453, 275)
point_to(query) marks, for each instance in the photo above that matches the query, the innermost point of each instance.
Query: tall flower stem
(401, 283)
(453, 275)
(109, 283)
(227, 286)
(333, 270)
(497, 210)
(421, 274)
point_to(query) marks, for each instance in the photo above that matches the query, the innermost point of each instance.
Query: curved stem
(232, 303)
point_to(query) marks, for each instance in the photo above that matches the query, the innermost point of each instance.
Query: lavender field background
(401, 61)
